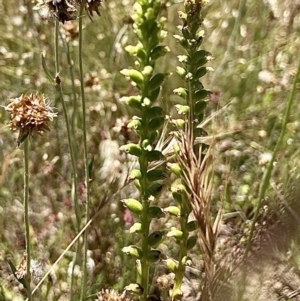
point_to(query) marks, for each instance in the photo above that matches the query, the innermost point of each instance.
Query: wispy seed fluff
(30, 113)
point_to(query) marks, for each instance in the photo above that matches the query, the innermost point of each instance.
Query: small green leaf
(47, 72)
(200, 106)
(155, 238)
(191, 242)
(155, 212)
(156, 123)
(154, 94)
(154, 155)
(201, 71)
(155, 112)
(155, 174)
(153, 256)
(156, 81)
(200, 94)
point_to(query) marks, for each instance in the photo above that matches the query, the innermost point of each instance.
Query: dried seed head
(93, 6)
(29, 114)
(111, 295)
(62, 10)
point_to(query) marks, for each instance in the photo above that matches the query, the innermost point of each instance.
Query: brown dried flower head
(111, 295)
(93, 6)
(62, 10)
(30, 114)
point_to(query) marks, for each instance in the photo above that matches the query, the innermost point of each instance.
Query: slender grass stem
(86, 165)
(267, 174)
(72, 154)
(26, 217)
(70, 141)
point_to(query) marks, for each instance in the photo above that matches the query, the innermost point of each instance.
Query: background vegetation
(255, 45)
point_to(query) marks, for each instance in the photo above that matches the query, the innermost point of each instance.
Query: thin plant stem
(86, 165)
(26, 218)
(72, 154)
(70, 142)
(267, 174)
(71, 69)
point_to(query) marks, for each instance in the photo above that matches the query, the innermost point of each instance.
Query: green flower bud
(154, 175)
(175, 168)
(147, 71)
(183, 58)
(135, 124)
(133, 205)
(154, 155)
(182, 110)
(146, 102)
(200, 106)
(201, 71)
(192, 240)
(133, 251)
(200, 35)
(182, 41)
(181, 72)
(156, 81)
(191, 226)
(134, 75)
(155, 238)
(133, 101)
(179, 123)
(171, 264)
(186, 261)
(172, 210)
(182, 15)
(200, 94)
(134, 288)
(138, 184)
(132, 50)
(155, 212)
(136, 228)
(156, 123)
(146, 145)
(138, 267)
(182, 92)
(153, 256)
(132, 149)
(135, 174)
(175, 233)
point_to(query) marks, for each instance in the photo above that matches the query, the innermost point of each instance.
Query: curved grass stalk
(267, 174)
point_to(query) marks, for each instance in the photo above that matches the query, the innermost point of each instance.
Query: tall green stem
(267, 174)
(26, 218)
(70, 141)
(72, 153)
(86, 165)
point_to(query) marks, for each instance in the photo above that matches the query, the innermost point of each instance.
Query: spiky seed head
(111, 295)
(30, 113)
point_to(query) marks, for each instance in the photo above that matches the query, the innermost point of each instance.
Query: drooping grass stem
(267, 174)
(86, 165)
(26, 218)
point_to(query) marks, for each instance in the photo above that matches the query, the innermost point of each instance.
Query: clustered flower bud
(30, 113)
